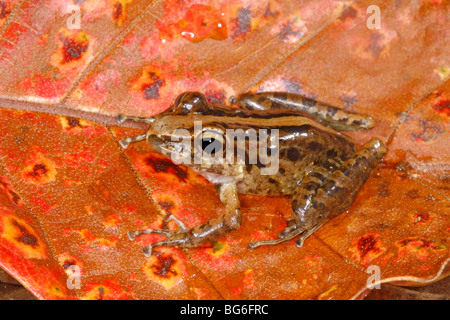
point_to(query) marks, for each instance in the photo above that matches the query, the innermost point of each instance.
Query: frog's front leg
(319, 198)
(209, 231)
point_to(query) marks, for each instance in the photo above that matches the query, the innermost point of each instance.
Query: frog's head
(195, 133)
(190, 130)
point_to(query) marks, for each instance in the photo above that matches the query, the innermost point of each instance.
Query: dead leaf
(69, 193)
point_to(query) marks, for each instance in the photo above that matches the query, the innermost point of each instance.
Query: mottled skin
(318, 166)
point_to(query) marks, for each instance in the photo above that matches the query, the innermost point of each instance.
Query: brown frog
(315, 164)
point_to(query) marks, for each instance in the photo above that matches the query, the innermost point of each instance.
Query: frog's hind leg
(333, 117)
(292, 230)
(323, 194)
(319, 199)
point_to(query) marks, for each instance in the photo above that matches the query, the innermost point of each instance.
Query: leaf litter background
(69, 193)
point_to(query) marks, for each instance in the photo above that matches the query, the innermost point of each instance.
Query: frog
(319, 167)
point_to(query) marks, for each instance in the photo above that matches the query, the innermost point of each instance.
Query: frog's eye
(211, 142)
(190, 102)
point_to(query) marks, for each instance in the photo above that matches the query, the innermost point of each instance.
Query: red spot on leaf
(417, 247)
(39, 170)
(366, 248)
(421, 217)
(151, 88)
(443, 107)
(249, 279)
(166, 165)
(43, 86)
(3, 10)
(348, 13)
(200, 22)
(113, 221)
(25, 236)
(166, 268)
(428, 132)
(7, 189)
(117, 11)
(242, 23)
(74, 122)
(78, 158)
(73, 46)
(312, 260)
(163, 268)
(41, 203)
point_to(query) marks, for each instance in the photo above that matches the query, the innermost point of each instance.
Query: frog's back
(299, 148)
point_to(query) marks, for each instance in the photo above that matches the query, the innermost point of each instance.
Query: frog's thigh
(319, 199)
(293, 230)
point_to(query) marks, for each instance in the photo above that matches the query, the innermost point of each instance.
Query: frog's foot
(287, 234)
(173, 238)
(299, 242)
(178, 239)
(208, 231)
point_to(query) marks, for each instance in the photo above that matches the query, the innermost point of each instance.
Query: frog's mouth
(157, 143)
(168, 147)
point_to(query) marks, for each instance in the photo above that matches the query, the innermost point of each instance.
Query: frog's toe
(180, 224)
(132, 235)
(121, 118)
(286, 235)
(299, 242)
(288, 231)
(147, 250)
